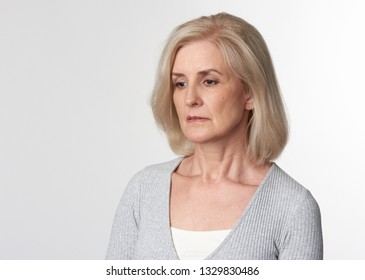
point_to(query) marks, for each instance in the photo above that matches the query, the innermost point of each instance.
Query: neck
(214, 162)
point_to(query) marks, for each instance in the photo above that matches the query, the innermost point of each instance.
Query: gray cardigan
(282, 221)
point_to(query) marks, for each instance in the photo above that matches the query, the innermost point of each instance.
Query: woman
(217, 99)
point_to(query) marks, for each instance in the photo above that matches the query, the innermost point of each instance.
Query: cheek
(174, 101)
(231, 101)
(177, 103)
(232, 109)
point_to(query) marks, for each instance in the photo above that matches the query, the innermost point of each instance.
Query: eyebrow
(201, 73)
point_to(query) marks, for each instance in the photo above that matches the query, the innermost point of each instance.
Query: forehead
(199, 55)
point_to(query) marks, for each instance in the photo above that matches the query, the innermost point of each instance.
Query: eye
(180, 84)
(210, 82)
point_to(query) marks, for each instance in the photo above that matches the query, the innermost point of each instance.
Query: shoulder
(153, 176)
(148, 180)
(298, 217)
(285, 185)
(159, 170)
(287, 194)
(168, 166)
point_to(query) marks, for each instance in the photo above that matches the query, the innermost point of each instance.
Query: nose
(192, 96)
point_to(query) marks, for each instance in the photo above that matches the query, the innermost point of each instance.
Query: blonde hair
(246, 53)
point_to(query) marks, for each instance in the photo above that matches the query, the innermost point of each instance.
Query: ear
(249, 102)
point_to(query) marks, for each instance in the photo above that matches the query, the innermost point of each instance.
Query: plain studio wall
(75, 125)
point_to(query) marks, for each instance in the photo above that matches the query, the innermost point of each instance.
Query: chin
(199, 138)
(200, 135)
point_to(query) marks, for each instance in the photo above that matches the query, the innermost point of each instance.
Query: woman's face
(210, 99)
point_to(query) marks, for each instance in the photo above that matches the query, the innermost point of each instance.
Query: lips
(196, 118)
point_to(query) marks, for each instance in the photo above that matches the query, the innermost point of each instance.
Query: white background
(75, 77)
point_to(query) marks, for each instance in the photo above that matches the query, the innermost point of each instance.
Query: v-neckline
(238, 222)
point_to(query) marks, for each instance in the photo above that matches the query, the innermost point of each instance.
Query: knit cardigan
(282, 221)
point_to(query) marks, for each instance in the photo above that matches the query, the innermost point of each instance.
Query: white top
(196, 245)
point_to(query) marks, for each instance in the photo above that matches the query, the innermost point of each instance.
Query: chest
(198, 206)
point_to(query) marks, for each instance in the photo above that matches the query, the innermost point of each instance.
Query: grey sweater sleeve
(125, 226)
(303, 234)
